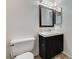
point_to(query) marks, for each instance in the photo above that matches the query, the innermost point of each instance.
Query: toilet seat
(27, 55)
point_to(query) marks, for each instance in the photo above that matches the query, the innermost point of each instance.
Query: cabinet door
(42, 48)
(59, 43)
(50, 46)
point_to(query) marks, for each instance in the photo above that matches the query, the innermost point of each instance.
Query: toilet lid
(27, 55)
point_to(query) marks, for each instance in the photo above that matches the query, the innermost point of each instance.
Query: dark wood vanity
(50, 46)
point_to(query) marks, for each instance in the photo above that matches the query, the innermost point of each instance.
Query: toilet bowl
(27, 55)
(20, 48)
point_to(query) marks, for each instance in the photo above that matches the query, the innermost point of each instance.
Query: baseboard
(67, 54)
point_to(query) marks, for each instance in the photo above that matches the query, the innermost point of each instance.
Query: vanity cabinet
(50, 46)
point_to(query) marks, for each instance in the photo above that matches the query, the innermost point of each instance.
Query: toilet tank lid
(14, 41)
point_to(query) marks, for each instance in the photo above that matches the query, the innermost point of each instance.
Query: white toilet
(21, 48)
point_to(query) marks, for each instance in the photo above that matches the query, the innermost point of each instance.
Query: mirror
(58, 20)
(46, 17)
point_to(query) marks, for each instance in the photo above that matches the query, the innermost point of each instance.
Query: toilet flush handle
(12, 45)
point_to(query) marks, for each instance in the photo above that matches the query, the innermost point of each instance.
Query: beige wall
(67, 25)
(22, 20)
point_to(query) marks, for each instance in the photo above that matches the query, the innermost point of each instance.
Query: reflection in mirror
(58, 20)
(46, 17)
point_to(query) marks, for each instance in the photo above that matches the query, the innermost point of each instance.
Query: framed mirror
(58, 20)
(46, 17)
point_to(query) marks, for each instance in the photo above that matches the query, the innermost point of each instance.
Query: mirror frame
(56, 16)
(40, 16)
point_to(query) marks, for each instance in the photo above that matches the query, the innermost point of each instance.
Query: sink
(50, 33)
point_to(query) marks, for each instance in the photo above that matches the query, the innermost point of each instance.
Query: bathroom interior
(38, 29)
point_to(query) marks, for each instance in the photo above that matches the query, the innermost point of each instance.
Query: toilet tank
(20, 46)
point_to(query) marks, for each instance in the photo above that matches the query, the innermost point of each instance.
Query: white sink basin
(47, 34)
